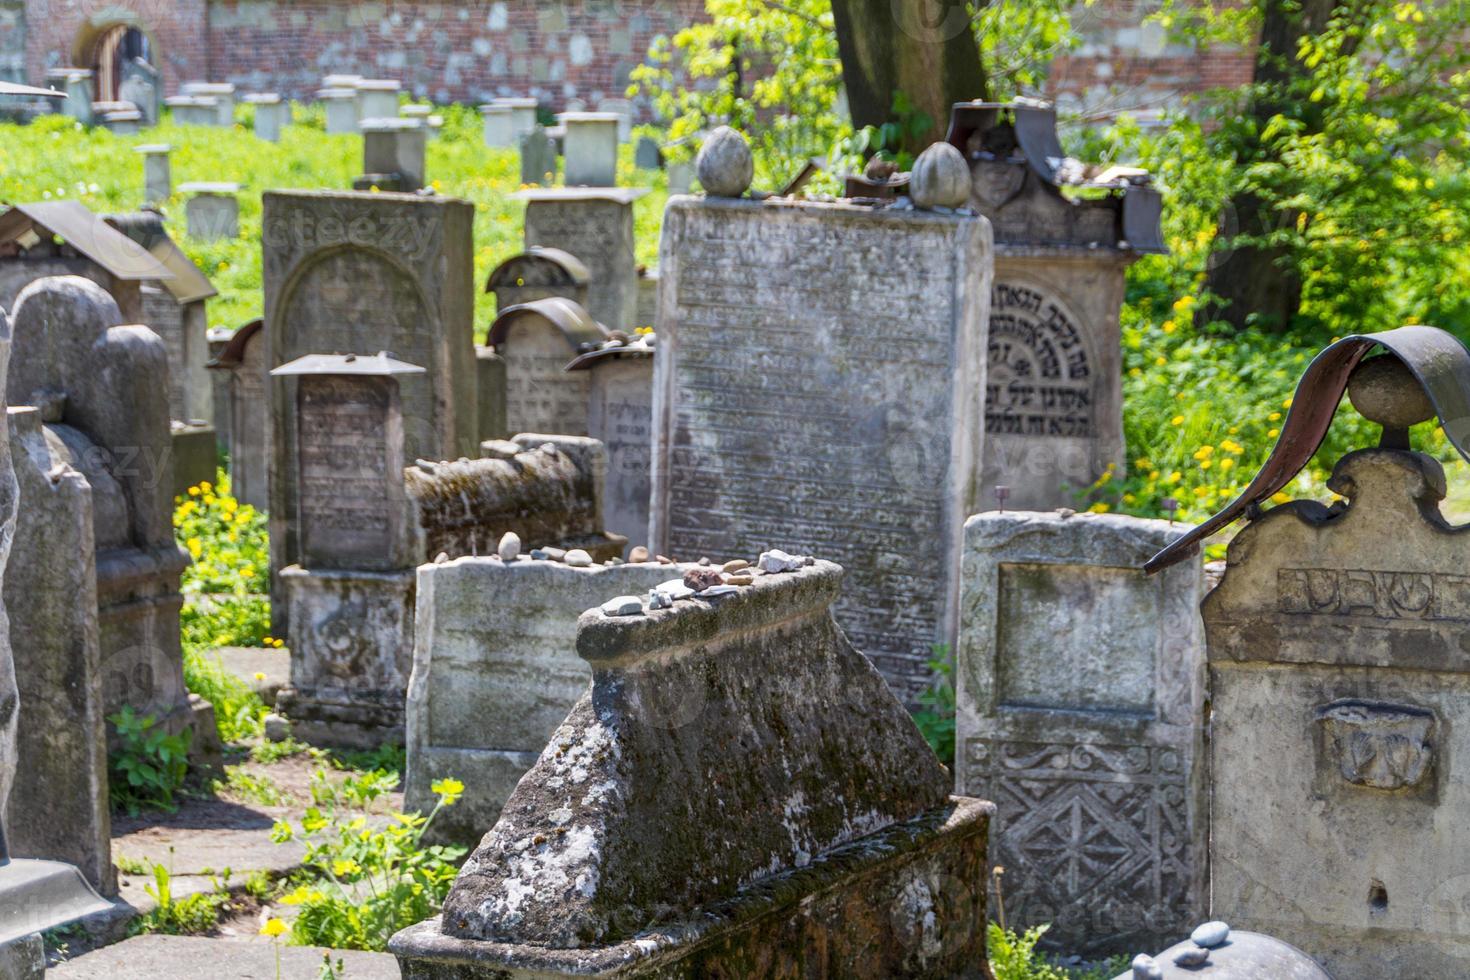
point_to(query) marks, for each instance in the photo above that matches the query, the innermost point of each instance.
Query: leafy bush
(366, 882)
(935, 719)
(191, 915)
(1013, 956)
(148, 766)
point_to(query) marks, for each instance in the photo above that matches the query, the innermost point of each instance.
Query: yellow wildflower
(1177, 420)
(273, 928)
(1272, 433)
(1204, 452)
(1099, 508)
(1226, 463)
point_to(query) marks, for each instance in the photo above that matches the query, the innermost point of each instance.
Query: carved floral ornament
(1435, 359)
(1377, 744)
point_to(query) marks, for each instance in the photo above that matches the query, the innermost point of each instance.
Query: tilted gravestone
(595, 225)
(1339, 690)
(694, 816)
(347, 272)
(1054, 402)
(538, 273)
(97, 384)
(490, 631)
(620, 416)
(59, 808)
(791, 408)
(536, 340)
(1080, 713)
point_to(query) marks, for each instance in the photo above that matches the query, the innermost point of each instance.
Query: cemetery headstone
(537, 339)
(194, 110)
(518, 652)
(393, 151)
(142, 87)
(377, 98)
(681, 176)
(498, 124)
(595, 225)
(217, 338)
(341, 108)
(1338, 684)
(158, 183)
(121, 118)
(1080, 713)
(694, 794)
(647, 314)
(241, 361)
(859, 421)
(538, 157)
(590, 148)
(490, 374)
(620, 416)
(341, 81)
(77, 84)
(538, 273)
(1054, 404)
(212, 211)
(59, 808)
(623, 109)
(647, 155)
(369, 272)
(272, 113)
(223, 94)
(522, 114)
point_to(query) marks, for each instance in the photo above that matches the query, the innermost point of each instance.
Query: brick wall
(12, 40)
(176, 28)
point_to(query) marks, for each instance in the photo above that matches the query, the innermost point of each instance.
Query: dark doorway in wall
(116, 52)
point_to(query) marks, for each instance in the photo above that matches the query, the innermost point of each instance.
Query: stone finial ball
(1384, 390)
(940, 178)
(725, 166)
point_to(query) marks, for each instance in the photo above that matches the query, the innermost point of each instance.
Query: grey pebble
(510, 546)
(1210, 934)
(623, 605)
(1145, 967)
(1191, 957)
(577, 558)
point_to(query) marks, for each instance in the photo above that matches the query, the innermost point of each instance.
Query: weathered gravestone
(620, 416)
(504, 633)
(241, 361)
(538, 273)
(1054, 403)
(595, 225)
(77, 84)
(393, 155)
(272, 113)
(96, 383)
(350, 272)
(497, 125)
(1339, 684)
(377, 98)
(212, 210)
(537, 339)
(158, 183)
(694, 816)
(790, 407)
(1080, 714)
(647, 314)
(142, 86)
(522, 114)
(193, 110)
(223, 94)
(59, 808)
(340, 106)
(35, 895)
(538, 157)
(590, 148)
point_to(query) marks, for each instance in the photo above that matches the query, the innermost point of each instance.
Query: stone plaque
(620, 414)
(1340, 688)
(1080, 700)
(537, 339)
(595, 225)
(366, 273)
(813, 394)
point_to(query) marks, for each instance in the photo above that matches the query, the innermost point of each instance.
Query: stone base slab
(40, 895)
(907, 901)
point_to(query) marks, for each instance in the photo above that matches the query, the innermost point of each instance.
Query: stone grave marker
(522, 114)
(77, 84)
(860, 423)
(341, 108)
(1080, 694)
(647, 314)
(538, 273)
(693, 816)
(241, 361)
(538, 157)
(1054, 403)
(142, 86)
(158, 183)
(537, 339)
(393, 151)
(595, 225)
(620, 416)
(350, 272)
(223, 94)
(623, 109)
(193, 110)
(212, 210)
(498, 125)
(590, 148)
(648, 155)
(377, 98)
(272, 114)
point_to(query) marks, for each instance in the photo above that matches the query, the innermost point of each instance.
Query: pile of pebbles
(704, 581)
(1205, 938)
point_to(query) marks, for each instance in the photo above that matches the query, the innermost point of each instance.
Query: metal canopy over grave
(536, 339)
(818, 387)
(595, 224)
(538, 273)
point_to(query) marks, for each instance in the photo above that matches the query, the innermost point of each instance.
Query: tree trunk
(1256, 285)
(925, 49)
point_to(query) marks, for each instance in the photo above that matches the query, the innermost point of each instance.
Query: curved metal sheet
(568, 316)
(233, 353)
(572, 270)
(1437, 359)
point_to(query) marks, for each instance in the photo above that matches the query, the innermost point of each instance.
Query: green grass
(54, 158)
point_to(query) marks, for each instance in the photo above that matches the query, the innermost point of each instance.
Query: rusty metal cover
(122, 257)
(1437, 359)
(1035, 127)
(567, 268)
(568, 316)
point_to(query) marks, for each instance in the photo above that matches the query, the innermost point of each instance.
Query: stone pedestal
(499, 125)
(193, 110)
(393, 152)
(123, 122)
(377, 98)
(194, 447)
(77, 84)
(272, 113)
(1341, 713)
(590, 148)
(717, 825)
(522, 114)
(623, 110)
(158, 184)
(223, 94)
(859, 422)
(596, 226)
(341, 109)
(212, 210)
(1080, 712)
(538, 273)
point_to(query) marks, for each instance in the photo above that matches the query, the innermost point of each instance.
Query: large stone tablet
(1340, 687)
(595, 225)
(1080, 712)
(818, 389)
(362, 273)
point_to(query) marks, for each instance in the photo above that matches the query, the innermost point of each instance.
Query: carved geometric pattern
(1093, 838)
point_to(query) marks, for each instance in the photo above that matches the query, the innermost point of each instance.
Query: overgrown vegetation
(148, 766)
(188, 915)
(935, 716)
(367, 876)
(1014, 956)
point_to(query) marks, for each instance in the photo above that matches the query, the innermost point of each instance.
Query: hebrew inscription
(1040, 381)
(345, 467)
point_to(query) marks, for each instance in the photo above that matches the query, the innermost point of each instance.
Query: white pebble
(577, 558)
(623, 605)
(510, 546)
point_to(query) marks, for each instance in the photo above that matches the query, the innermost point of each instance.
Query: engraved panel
(539, 395)
(1040, 380)
(600, 234)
